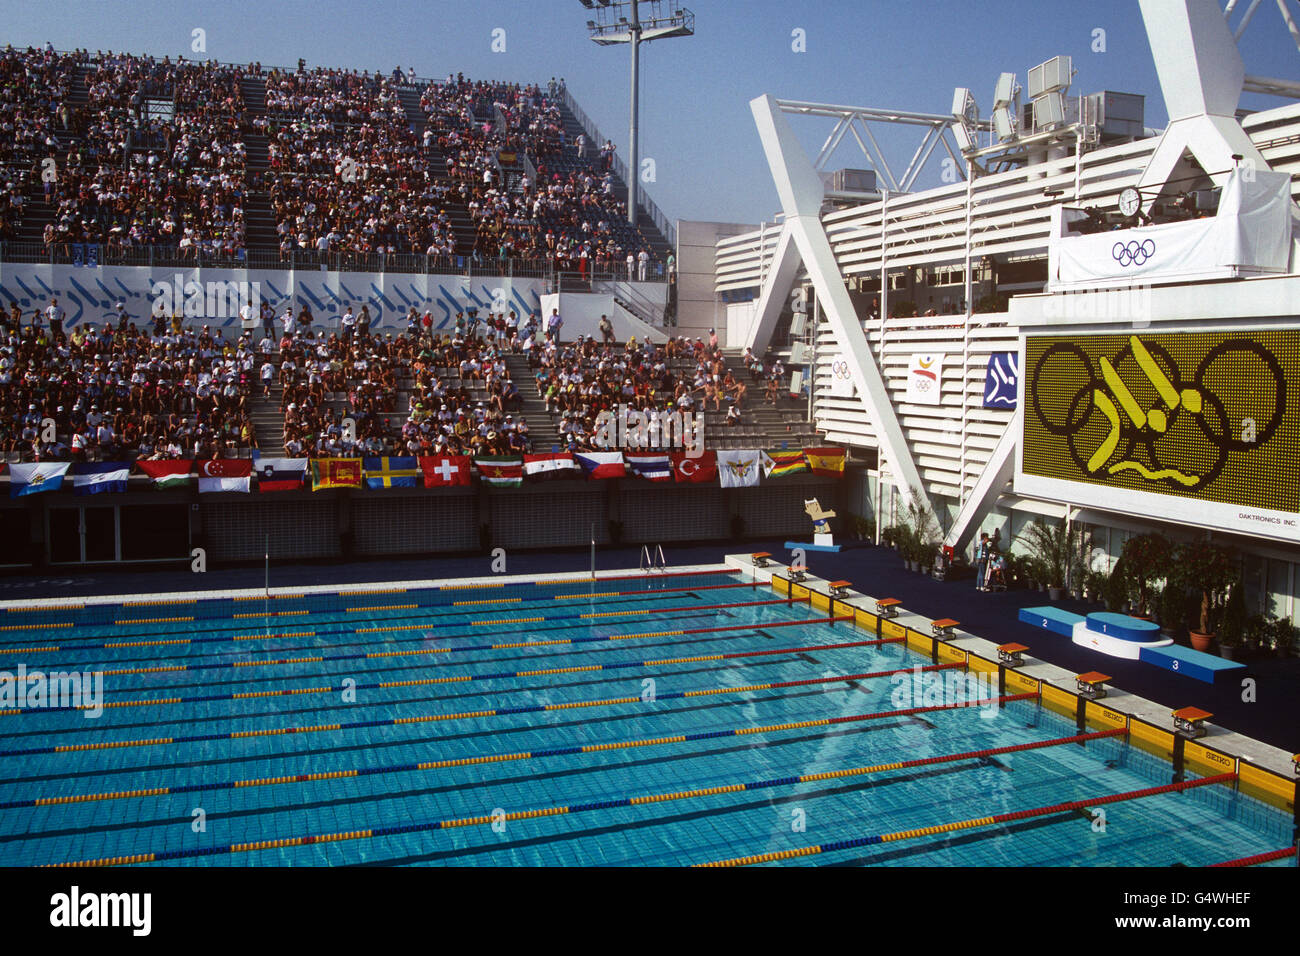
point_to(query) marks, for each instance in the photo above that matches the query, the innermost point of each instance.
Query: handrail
(666, 229)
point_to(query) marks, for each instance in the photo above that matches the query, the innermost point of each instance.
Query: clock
(1130, 201)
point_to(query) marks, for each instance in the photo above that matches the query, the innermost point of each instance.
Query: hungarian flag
(827, 462)
(500, 471)
(392, 473)
(551, 465)
(169, 472)
(226, 474)
(30, 479)
(601, 464)
(335, 473)
(694, 469)
(738, 469)
(281, 474)
(443, 471)
(98, 477)
(650, 467)
(778, 464)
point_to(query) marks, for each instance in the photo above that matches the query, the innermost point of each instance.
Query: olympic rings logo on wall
(1133, 252)
(840, 370)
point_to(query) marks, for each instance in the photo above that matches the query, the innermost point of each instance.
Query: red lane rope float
(530, 755)
(972, 823)
(434, 718)
(455, 679)
(1257, 858)
(642, 800)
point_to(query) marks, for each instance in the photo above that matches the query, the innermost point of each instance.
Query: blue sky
(695, 118)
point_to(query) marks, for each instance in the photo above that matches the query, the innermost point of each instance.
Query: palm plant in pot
(1050, 547)
(922, 530)
(1207, 569)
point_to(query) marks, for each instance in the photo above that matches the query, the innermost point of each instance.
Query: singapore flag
(225, 474)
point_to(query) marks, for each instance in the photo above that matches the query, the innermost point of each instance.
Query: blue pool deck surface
(533, 715)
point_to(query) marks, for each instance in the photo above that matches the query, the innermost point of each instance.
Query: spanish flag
(827, 462)
(335, 473)
(392, 473)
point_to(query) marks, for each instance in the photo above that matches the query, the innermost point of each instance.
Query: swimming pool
(634, 720)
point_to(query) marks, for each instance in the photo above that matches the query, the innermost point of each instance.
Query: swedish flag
(392, 473)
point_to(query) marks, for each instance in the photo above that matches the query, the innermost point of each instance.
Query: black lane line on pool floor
(631, 676)
(425, 741)
(426, 791)
(184, 652)
(161, 627)
(672, 819)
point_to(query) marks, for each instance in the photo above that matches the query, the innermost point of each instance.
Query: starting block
(942, 628)
(1009, 654)
(761, 559)
(1189, 722)
(1089, 685)
(1295, 763)
(797, 573)
(887, 607)
(839, 589)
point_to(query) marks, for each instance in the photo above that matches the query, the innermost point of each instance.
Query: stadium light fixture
(621, 22)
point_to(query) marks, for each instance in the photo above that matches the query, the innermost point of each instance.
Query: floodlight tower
(620, 22)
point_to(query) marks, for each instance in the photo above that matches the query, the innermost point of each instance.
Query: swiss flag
(442, 471)
(695, 470)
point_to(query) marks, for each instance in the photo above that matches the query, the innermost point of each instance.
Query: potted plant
(1208, 569)
(1094, 585)
(1280, 635)
(889, 537)
(1252, 636)
(921, 528)
(1146, 557)
(1232, 623)
(1173, 607)
(1115, 592)
(1048, 544)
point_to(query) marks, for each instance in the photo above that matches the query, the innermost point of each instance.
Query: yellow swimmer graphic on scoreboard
(1167, 411)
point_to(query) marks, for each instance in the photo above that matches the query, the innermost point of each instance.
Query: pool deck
(1271, 721)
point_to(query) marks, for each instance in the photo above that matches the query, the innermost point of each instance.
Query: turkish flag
(442, 471)
(695, 470)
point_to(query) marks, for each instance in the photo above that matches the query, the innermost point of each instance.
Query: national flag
(694, 469)
(778, 464)
(650, 467)
(443, 471)
(335, 473)
(30, 479)
(226, 474)
(601, 464)
(738, 469)
(500, 471)
(281, 474)
(169, 472)
(551, 465)
(827, 462)
(392, 473)
(98, 477)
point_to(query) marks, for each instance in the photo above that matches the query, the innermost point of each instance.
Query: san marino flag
(393, 473)
(31, 479)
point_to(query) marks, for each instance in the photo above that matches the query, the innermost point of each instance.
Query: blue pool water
(333, 651)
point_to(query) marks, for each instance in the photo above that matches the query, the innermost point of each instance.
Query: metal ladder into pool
(653, 561)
